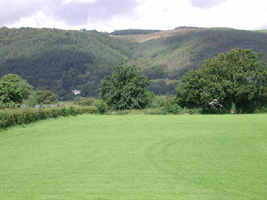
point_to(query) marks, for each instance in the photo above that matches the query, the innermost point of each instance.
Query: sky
(110, 15)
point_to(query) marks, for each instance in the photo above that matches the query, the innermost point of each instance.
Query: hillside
(65, 60)
(174, 52)
(61, 60)
(166, 56)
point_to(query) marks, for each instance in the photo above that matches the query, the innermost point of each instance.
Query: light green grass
(93, 157)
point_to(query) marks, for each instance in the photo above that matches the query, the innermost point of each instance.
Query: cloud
(79, 12)
(71, 12)
(107, 15)
(13, 10)
(205, 4)
(264, 27)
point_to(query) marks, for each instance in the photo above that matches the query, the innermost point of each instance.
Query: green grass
(93, 157)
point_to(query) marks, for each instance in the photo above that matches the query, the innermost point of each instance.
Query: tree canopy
(238, 79)
(13, 89)
(125, 88)
(46, 97)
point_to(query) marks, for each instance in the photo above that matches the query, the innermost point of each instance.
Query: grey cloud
(13, 10)
(79, 13)
(74, 13)
(205, 4)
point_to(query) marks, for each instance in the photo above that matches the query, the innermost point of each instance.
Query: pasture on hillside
(138, 157)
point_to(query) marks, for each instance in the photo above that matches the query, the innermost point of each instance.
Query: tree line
(61, 61)
(232, 82)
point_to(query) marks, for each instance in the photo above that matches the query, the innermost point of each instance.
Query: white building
(76, 92)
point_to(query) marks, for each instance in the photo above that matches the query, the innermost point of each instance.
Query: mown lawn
(94, 157)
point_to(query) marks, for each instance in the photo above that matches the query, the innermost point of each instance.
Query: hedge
(11, 117)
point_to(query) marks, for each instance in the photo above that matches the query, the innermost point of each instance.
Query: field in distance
(203, 157)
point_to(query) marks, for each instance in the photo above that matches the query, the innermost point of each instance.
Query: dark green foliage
(13, 89)
(45, 97)
(167, 103)
(101, 106)
(189, 90)
(160, 101)
(162, 88)
(238, 78)
(126, 88)
(31, 100)
(156, 72)
(60, 60)
(171, 106)
(24, 116)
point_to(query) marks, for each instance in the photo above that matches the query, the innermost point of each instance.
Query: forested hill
(63, 60)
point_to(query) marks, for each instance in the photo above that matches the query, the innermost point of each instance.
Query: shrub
(89, 109)
(26, 116)
(101, 106)
(64, 112)
(82, 101)
(159, 101)
(45, 97)
(172, 107)
(10, 117)
(73, 111)
(43, 113)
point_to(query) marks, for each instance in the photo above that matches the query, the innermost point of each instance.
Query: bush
(43, 113)
(172, 107)
(101, 106)
(27, 116)
(10, 117)
(88, 109)
(82, 101)
(73, 111)
(45, 97)
(159, 101)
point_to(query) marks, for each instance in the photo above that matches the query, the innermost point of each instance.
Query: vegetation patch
(11, 117)
(62, 61)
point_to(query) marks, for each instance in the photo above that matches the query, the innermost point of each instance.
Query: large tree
(45, 97)
(13, 89)
(238, 79)
(125, 88)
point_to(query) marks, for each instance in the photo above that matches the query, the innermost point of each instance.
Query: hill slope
(61, 60)
(65, 60)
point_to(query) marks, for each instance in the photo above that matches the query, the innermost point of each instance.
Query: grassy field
(93, 157)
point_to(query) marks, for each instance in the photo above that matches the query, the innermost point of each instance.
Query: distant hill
(63, 60)
(170, 54)
(134, 32)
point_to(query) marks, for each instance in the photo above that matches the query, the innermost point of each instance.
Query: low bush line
(11, 117)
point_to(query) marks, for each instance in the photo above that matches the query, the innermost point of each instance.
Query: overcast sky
(109, 15)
